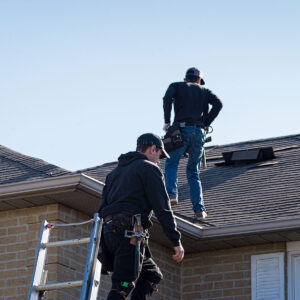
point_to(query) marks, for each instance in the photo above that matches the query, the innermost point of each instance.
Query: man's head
(194, 75)
(152, 146)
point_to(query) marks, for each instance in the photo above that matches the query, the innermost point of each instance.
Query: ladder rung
(67, 242)
(58, 285)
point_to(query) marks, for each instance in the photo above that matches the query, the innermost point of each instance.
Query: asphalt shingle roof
(243, 193)
(16, 167)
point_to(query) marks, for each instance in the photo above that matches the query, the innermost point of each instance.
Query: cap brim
(164, 154)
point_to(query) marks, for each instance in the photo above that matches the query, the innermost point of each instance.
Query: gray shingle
(241, 194)
(17, 167)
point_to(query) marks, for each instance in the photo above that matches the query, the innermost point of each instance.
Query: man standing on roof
(191, 106)
(135, 187)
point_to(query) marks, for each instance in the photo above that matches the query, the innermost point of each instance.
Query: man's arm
(216, 104)
(159, 201)
(168, 100)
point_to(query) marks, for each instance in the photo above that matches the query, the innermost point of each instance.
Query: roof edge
(200, 232)
(280, 224)
(50, 185)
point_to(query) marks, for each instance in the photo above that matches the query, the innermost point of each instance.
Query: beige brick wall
(220, 275)
(223, 274)
(19, 235)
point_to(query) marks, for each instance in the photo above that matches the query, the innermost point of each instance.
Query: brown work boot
(173, 201)
(200, 215)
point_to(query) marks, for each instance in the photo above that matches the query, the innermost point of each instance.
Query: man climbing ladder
(132, 190)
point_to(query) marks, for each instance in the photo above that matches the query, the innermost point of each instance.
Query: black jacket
(136, 185)
(191, 103)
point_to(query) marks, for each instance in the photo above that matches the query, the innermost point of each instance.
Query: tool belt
(117, 223)
(172, 139)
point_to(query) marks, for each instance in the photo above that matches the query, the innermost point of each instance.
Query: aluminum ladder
(91, 279)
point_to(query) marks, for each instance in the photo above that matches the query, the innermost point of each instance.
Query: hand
(166, 126)
(179, 253)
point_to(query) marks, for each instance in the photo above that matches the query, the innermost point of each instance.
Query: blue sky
(81, 80)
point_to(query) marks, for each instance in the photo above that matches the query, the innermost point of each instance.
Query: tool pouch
(118, 224)
(172, 139)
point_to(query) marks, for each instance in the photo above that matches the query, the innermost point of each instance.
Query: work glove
(166, 127)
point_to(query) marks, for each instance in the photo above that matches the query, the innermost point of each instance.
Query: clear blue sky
(80, 80)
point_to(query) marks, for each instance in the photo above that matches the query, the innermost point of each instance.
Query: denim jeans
(193, 138)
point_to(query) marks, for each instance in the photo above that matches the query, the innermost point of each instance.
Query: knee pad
(154, 277)
(115, 295)
(142, 289)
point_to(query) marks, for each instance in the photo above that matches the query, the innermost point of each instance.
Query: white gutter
(279, 224)
(50, 185)
(199, 232)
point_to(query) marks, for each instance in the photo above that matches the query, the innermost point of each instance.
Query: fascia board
(91, 184)
(279, 224)
(50, 185)
(199, 232)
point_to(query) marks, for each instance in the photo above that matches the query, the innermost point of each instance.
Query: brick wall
(19, 235)
(223, 274)
(220, 275)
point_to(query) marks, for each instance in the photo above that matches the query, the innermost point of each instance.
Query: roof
(27, 181)
(240, 194)
(17, 167)
(246, 204)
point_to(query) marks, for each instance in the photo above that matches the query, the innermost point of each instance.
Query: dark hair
(142, 147)
(191, 78)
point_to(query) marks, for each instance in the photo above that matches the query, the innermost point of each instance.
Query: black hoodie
(136, 185)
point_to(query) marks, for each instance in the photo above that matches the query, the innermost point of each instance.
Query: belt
(183, 124)
(109, 218)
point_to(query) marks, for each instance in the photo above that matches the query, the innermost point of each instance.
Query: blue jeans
(193, 138)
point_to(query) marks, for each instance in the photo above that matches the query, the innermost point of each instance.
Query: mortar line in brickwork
(181, 281)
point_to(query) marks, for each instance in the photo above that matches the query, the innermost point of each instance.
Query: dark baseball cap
(195, 72)
(151, 139)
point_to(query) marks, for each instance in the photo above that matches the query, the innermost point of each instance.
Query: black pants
(122, 260)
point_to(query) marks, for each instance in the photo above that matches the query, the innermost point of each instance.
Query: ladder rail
(89, 272)
(40, 260)
(92, 273)
(96, 267)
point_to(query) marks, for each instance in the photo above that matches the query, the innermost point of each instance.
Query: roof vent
(247, 156)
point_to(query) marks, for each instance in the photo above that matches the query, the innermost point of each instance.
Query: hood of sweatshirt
(128, 158)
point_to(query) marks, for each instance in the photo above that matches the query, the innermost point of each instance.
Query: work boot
(173, 201)
(200, 215)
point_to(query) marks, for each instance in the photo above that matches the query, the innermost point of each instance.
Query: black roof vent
(248, 156)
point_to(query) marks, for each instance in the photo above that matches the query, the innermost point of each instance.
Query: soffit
(78, 191)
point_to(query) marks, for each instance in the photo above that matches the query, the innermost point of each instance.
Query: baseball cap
(151, 139)
(195, 72)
